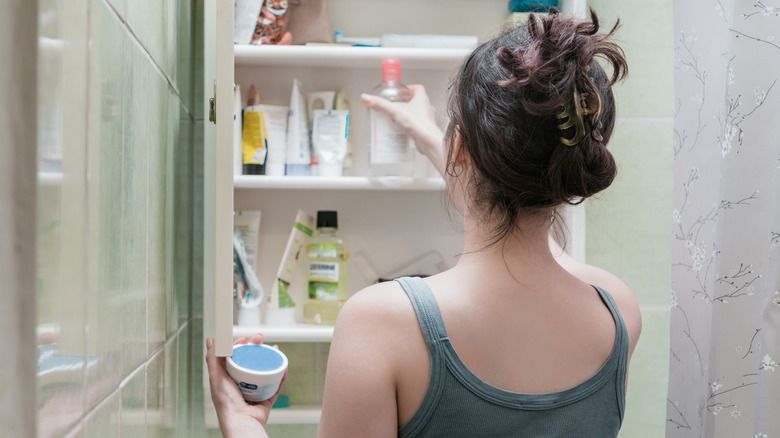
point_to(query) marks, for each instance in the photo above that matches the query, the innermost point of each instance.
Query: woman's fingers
(379, 104)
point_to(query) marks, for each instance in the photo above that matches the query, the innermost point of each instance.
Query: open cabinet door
(217, 185)
(218, 175)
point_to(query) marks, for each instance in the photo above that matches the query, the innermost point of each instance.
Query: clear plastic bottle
(327, 262)
(390, 152)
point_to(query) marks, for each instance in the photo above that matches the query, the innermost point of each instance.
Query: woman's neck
(523, 252)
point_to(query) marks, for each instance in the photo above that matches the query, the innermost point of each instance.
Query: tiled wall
(629, 226)
(117, 215)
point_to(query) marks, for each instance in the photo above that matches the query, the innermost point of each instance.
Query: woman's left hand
(237, 418)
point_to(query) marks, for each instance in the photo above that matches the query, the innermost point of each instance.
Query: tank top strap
(426, 308)
(622, 345)
(435, 334)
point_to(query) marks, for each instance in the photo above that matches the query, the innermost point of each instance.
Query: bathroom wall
(629, 225)
(18, 32)
(117, 216)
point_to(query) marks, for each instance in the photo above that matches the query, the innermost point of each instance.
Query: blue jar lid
(257, 358)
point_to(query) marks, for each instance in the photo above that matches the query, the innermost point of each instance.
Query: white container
(390, 151)
(257, 370)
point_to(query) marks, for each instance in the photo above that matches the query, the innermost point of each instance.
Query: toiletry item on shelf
(253, 144)
(279, 307)
(390, 151)
(245, 17)
(257, 370)
(338, 37)
(298, 155)
(327, 261)
(317, 100)
(531, 5)
(274, 118)
(271, 25)
(238, 122)
(329, 140)
(342, 103)
(249, 292)
(309, 21)
(429, 41)
(248, 224)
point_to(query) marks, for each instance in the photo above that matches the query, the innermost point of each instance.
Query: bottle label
(389, 143)
(324, 280)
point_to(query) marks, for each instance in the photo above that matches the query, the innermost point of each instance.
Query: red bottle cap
(391, 70)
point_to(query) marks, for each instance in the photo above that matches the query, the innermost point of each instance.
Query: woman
(517, 339)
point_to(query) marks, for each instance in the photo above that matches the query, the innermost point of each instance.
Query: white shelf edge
(347, 57)
(303, 414)
(49, 178)
(337, 183)
(292, 333)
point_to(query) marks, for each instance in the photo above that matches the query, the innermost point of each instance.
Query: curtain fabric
(725, 322)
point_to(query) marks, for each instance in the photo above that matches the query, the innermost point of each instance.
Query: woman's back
(544, 332)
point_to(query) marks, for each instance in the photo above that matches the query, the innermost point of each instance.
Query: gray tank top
(458, 404)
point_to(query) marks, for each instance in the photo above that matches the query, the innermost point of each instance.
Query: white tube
(248, 224)
(298, 156)
(249, 302)
(329, 138)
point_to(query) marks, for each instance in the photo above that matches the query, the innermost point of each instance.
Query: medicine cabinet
(385, 222)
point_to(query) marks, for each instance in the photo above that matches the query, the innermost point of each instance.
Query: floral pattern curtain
(725, 322)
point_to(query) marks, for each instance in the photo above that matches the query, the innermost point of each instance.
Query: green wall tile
(158, 239)
(647, 37)
(133, 415)
(104, 188)
(629, 224)
(148, 20)
(155, 397)
(648, 379)
(171, 387)
(120, 6)
(133, 204)
(104, 423)
(184, 403)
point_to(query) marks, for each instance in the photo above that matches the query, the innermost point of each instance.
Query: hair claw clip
(572, 116)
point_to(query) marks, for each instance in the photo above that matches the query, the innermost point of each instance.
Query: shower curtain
(725, 321)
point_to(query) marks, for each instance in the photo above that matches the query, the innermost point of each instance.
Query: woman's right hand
(418, 119)
(237, 418)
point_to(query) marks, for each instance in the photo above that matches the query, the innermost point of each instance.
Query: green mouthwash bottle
(327, 262)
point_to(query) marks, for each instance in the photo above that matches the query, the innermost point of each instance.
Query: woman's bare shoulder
(620, 292)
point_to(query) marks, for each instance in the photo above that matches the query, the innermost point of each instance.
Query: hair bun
(558, 54)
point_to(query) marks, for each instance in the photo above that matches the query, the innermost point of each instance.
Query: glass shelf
(347, 57)
(287, 333)
(337, 183)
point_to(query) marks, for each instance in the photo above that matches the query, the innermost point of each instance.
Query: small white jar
(257, 370)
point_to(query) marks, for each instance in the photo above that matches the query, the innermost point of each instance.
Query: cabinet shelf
(49, 178)
(291, 333)
(337, 183)
(347, 57)
(303, 414)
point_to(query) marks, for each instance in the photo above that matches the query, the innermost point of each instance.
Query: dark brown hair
(504, 104)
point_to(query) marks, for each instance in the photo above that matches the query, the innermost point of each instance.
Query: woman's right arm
(418, 119)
